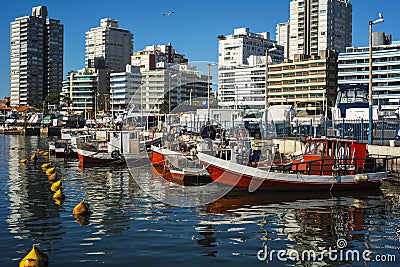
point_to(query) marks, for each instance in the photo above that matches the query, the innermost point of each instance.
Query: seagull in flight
(169, 13)
(380, 15)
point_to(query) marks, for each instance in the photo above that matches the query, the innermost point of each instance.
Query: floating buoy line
(81, 212)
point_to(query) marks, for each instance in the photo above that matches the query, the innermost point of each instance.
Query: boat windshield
(314, 148)
(354, 96)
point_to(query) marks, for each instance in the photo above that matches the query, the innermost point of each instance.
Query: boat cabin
(329, 156)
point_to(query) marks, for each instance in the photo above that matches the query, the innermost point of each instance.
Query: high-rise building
(235, 49)
(167, 78)
(316, 25)
(85, 91)
(157, 57)
(354, 69)
(282, 37)
(36, 57)
(124, 85)
(307, 83)
(108, 47)
(242, 68)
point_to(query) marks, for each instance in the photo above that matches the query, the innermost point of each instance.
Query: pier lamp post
(141, 101)
(266, 103)
(380, 20)
(169, 95)
(209, 89)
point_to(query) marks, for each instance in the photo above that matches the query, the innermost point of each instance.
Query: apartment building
(108, 46)
(308, 83)
(124, 86)
(85, 92)
(316, 25)
(36, 57)
(353, 67)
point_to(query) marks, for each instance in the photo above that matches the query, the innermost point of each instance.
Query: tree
(164, 107)
(53, 99)
(40, 106)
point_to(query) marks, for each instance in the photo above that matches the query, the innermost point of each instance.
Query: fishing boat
(96, 152)
(183, 168)
(62, 148)
(327, 165)
(12, 131)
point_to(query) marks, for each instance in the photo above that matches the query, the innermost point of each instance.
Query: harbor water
(129, 228)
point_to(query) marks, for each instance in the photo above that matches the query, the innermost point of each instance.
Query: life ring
(67, 150)
(115, 154)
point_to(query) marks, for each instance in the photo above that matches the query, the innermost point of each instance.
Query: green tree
(164, 107)
(53, 99)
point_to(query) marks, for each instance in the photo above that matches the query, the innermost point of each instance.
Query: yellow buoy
(46, 165)
(35, 258)
(59, 194)
(82, 219)
(58, 201)
(45, 153)
(55, 186)
(33, 157)
(22, 161)
(39, 150)
(52, 177)
(50, 171)
(82, 209)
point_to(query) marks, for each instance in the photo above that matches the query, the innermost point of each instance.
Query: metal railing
(341, 167)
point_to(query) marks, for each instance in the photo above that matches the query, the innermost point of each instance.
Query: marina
(228, 231)
(274, 150)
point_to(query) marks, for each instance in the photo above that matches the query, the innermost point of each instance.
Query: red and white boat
(96, 152)
(176, 165)
(327, 164)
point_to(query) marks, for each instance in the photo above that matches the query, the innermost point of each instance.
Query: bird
(380, 15)
(168, 13)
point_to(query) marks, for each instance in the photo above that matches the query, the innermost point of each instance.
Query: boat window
(361, 96)
(310, 148)
(319, 149)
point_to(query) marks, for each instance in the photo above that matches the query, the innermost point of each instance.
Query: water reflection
(32, 213)
(128, 227)
(296, 221)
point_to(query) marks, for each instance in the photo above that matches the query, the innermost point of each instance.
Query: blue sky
(192, 29)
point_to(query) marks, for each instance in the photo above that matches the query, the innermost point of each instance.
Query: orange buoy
(35, 258)
(52, 177)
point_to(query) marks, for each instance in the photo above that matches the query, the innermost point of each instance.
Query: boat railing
(342, 167)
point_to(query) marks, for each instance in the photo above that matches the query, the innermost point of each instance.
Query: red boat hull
(157, 159)
(239, 180)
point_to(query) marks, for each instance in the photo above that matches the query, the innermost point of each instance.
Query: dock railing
(342, 167)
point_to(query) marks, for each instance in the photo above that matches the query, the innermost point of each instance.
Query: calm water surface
(129, 228)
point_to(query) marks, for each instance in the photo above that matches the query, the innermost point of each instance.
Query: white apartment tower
(235, 49)
(282, 37)
(108, 47)
(123, 87)
(316, 25)
(36, 57)
(242, 67)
